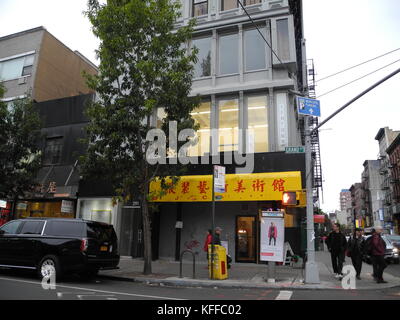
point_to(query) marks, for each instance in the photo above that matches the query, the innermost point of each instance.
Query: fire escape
(315, 148)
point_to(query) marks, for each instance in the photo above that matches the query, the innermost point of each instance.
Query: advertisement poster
(272, 238)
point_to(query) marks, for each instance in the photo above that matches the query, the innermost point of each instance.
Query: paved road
(25, 286)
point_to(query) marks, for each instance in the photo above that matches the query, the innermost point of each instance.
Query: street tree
(20, 154)
(145, 66)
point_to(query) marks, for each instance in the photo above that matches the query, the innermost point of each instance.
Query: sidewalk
(242, 275)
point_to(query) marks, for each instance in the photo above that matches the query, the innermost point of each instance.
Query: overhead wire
(360, 64)
(364, 76)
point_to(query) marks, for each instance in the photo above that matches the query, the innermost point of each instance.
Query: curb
(192, 283)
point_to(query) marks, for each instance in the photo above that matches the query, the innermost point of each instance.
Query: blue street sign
(308, 107)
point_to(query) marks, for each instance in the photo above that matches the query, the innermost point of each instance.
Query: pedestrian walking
(355, 248)
(337, 245)
(376, 247)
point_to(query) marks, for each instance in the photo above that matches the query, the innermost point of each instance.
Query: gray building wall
(17, 44)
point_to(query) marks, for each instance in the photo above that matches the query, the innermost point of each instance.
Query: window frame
(201, 2)
(218, 122)
(25, 65)
(211, 55)
(263, 29)
(45, 152)
(221, 35)
(11, 222)
(246, 119)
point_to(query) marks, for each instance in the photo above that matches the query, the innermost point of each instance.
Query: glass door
(246, 239)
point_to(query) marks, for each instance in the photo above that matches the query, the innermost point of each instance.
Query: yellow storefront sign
(238, 187)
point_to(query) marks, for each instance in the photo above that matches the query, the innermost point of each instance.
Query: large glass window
(52, 153)
(15, 68)
(202, 117)
(203, 65)
(200, 8)
(250, 2)
(282, 27)
(229, 4)
(228, 125)
(257, 115)
(254, 50)
(229, 54)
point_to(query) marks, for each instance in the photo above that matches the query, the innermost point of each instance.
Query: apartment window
(229, 4)
(53, 149)
(228, 125)
(255, 54)
(229, 54)
(15, 68)
(257, 115)
(202, 117)
(282, 27)
(200, 8)
(203, 65)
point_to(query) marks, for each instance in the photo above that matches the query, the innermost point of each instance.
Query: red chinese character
(203, 187)
(278, 185)
(185, 187)
(258, 185)
(240, 187)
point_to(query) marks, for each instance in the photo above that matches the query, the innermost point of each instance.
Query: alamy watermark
(349, 280)
(157, 152)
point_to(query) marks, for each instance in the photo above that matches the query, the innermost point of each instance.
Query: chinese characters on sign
(51, 188)
(238, 187)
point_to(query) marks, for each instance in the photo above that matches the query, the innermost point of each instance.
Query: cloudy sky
(339, 34)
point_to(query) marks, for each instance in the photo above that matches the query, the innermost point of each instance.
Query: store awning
(238, 187)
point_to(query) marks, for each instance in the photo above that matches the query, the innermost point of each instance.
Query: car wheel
(48, 265)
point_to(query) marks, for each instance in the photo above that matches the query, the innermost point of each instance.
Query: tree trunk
(146, 235)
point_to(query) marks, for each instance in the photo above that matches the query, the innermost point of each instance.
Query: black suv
(67, 245)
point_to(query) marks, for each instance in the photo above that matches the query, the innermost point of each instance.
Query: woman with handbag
(355, 249)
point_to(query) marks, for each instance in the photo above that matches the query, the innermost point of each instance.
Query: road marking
(284, 295)
(94, 290)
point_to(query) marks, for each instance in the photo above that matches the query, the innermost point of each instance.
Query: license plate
(103, 248)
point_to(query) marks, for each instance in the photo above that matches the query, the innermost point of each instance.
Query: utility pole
(311, 272)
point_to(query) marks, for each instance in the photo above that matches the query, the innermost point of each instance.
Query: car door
(8, 239)
(28, 243)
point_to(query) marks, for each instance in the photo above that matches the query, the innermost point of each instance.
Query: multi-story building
(33, 62)
(357, 204)
(345, 199)
(246, 81)
(372, 193)
(393, 152)
(385, 137)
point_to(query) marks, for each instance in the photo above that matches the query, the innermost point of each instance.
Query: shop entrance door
(131, 238)
(246, 239)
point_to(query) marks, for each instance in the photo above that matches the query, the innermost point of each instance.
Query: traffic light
(289, 198)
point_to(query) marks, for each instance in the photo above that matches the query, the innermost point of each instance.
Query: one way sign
(308, 107)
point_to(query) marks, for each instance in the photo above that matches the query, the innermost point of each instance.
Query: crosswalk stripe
(284, 295)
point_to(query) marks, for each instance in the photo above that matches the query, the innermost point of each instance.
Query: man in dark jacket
(337, 244)
(377, 250)
(355, 247)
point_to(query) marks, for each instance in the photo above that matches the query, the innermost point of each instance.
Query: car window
(64, 228)
(101, 232)
(11, 227)
(32, 227)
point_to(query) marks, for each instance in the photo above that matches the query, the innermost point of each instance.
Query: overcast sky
(339, 34)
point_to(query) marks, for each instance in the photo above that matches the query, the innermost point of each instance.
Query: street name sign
(219, 179)
(308, 107)
(294, 149)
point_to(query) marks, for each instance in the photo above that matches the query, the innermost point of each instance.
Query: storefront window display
(53, 209)
(101, 210)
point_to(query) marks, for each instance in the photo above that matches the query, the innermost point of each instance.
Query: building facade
(357, 205)
(33, 62)
(393, 152)
(372, 193)
(385, 137)
(244, 84)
